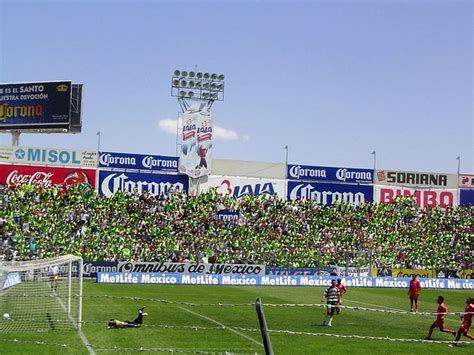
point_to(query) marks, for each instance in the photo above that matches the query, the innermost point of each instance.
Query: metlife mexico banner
(323, 173)
(156, 184)
(130, 161)
(328, 194)
(239, 187)
(276, 280)
(48, 156)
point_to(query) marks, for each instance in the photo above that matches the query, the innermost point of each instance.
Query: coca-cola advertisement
(44, 176)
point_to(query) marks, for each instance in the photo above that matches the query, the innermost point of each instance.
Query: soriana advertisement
(423, 197)
(238, 187)
(45, 176)
(416, 179)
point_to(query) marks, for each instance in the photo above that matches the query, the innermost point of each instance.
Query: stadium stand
(45, 222)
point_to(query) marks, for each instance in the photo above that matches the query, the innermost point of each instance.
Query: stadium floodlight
(198, 86)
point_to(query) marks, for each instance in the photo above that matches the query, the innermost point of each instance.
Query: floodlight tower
(195, 155)
(197, 86)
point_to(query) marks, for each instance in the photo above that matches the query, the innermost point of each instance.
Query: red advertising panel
(423, 197)
(45, 176)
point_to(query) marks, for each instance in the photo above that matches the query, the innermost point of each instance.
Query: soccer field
(212, 319)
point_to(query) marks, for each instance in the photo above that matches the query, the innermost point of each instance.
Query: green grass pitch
(176, 327)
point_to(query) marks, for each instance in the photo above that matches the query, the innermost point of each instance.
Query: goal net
(41, 295)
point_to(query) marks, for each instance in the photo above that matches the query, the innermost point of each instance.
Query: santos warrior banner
(45, 176)
(195, 155)
(423, 197)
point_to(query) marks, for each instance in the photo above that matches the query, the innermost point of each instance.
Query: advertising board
(45, 176)
(328, 194)
(153, 183)
(48, 156)
(324, 173)
(131, 161)
(423, 197)
(39, 105)
(416, 179)
(239, 186)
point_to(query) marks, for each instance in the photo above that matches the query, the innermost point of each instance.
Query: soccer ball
(6, 316)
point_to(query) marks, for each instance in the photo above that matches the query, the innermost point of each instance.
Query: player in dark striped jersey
(332, 296)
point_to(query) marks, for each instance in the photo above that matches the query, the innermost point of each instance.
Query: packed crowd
(37, 222)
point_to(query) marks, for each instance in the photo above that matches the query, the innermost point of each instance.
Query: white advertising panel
(416, 179)
(466, 181)
(240, 186)
(195, 155)
(424, 197)
(47, 156)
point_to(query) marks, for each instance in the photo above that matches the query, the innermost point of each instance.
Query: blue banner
(156, 184)
(91, 268)
(324, 173)
(292, 271)
(273, 280)
(466, 197)
(228, 215)
(328, 194)
(35, 105)
(138, 161)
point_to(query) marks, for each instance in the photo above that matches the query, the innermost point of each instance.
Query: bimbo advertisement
(321, 173)
(423, 197)
(328, 194)
(149, 162)
(45, 176)
(155, 184)
(35, 105)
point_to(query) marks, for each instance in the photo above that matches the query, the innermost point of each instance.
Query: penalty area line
(221, 325)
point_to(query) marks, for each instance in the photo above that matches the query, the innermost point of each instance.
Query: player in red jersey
(342, 291)
(439, 322)
(466, 323)
(414, 292)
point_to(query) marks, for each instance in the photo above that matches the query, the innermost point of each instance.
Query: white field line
(222, 325)
(81, 334)
(393, 309)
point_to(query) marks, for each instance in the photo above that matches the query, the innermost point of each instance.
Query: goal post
(41, 295)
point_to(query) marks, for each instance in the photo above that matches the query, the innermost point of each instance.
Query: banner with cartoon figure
(196, 142)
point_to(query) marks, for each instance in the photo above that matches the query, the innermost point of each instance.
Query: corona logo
(23, 111)
(62, 88)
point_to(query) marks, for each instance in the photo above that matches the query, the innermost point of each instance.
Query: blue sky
(333, 80)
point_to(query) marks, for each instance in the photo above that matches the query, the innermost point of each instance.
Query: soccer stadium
(317, 210)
